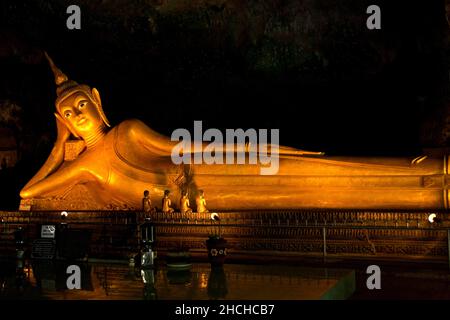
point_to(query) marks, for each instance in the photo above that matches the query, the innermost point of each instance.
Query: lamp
(19, 238)
(64, 215)
(433, 218)
(148, 236)
(216, 217)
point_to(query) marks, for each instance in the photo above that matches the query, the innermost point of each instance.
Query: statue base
(78, 199)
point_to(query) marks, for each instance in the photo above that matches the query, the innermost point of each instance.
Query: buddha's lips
(81, 121)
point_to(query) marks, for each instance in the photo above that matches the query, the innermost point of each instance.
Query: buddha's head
(78, 106)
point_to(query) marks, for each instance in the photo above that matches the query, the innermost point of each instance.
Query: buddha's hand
(63, 131)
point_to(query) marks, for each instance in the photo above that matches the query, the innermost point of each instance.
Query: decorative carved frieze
(376, 234)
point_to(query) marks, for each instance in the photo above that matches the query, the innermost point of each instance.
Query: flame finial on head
(66, 87)
(60, 77)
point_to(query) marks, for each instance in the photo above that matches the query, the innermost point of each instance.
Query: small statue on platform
(184, 203)
(147, 207)
(201, 202)
(166, 203)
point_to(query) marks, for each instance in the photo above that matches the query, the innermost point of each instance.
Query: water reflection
(52, 276)
(177, 277)
(217, 284)
(149, 280)
(47, 280)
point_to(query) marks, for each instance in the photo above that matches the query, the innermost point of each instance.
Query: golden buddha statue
(166, 203)
(200, 201)
(147, 203)
(184, 203)
(116, 164)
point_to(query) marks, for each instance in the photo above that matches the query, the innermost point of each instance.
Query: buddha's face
(80, 113)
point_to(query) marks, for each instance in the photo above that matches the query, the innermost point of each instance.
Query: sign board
(48, 231)
(43, 249)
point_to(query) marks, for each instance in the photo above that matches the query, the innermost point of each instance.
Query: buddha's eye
(67, 114)
(82, 104)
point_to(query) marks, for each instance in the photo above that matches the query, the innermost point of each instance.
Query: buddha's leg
(307, 182)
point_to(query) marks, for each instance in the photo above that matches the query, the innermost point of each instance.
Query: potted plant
(216, 244)
(179, 258)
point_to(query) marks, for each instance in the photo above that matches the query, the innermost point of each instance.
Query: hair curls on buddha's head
(66, 87)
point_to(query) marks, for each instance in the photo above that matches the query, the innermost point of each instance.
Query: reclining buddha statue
(94, 166)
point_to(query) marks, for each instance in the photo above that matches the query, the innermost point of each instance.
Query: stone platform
(398, 235)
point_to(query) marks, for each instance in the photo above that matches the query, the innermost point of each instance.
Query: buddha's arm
(53, 162)
(151, 140)
(55, 158)
(162, 145)
(292, 151)
(57, 183)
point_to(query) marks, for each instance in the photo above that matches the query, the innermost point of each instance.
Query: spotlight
(215, 216)
(433, 218)
(64, 215)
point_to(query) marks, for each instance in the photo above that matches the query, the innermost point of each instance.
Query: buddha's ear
(98, 101)
(96, 96)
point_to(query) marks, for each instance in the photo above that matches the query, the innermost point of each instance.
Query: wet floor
(48, 280)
